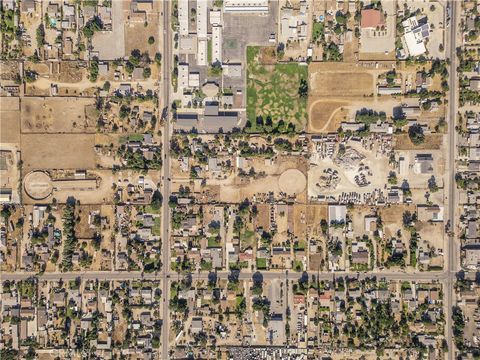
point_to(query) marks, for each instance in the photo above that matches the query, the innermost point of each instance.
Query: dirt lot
(263, 217)
(82, 229)
(432, 142)
(299, 221)
(240, 188)
(315, 214)
(137, 34)
(52, 115)
(58, 151)
(9, 120)
(338, 79)
(326, 116)
(433, 233)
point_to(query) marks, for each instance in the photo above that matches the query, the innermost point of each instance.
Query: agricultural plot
(273, 90)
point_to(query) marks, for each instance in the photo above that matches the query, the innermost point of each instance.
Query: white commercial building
(245, 6)
(202, 49)
(202, 17)
(183, 17)
(216, 44)
(183, 76)
(415, 35)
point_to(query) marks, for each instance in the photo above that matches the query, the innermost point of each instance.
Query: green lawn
(156, 226)
(261, 264)
(318, 29)
(150, 210)
(272, 91)
(299, 246)
(131, 137)
(213, 243)
(297, 265)
(247, 235)
(209, 51)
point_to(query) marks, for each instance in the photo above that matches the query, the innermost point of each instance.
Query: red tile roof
(371, 18)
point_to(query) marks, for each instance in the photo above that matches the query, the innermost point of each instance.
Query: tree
(92, 25)
(158, 58)
(40, 35)
(151, 40)
(303, 88)
(415, 132)
(147, 72)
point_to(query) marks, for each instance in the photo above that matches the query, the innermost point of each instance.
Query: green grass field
(261, 264)
(272, 90)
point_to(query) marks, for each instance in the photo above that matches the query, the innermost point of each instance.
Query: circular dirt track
(38, 185)
(292, 182)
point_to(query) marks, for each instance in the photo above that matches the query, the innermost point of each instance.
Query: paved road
(167, 56)
(453, 246)
(243, 275)
(453, 249)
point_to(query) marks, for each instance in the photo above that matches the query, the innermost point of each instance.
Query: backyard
(275, 92)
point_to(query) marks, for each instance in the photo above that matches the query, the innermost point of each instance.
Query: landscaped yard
(273, 91)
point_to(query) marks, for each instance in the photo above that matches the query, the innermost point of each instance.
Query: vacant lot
(58, 151)
(9, 120)
(432, 142)
(326, 116)
(58, 115)
(273, 90)
(315, 214)
(338, 79)
(137, 34)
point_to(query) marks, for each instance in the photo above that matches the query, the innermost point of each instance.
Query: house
(472, 256)
(360, 254)
(474, 84)
(432, 213)
(197, 325)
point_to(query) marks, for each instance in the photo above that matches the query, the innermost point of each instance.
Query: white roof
(183, 17)
(415, 48)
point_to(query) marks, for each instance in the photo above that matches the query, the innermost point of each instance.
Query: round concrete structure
(38, 185)
(292, 182)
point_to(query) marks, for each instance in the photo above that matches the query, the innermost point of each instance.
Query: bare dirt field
(63, 115)
(263, 217)
(315, 214)
(136, 37)
(432, 142)
(292, 182)
(338, 79)
(83, 230)
(9, 121)
(58, 151)
(300, 224)
(326, 116)
(433, 233)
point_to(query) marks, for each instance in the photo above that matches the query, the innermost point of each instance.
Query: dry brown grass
(339, 79)
(9, 127)
(322, 111)
(268, 55)
(432, 142)
(58, 114)
(58, 151)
